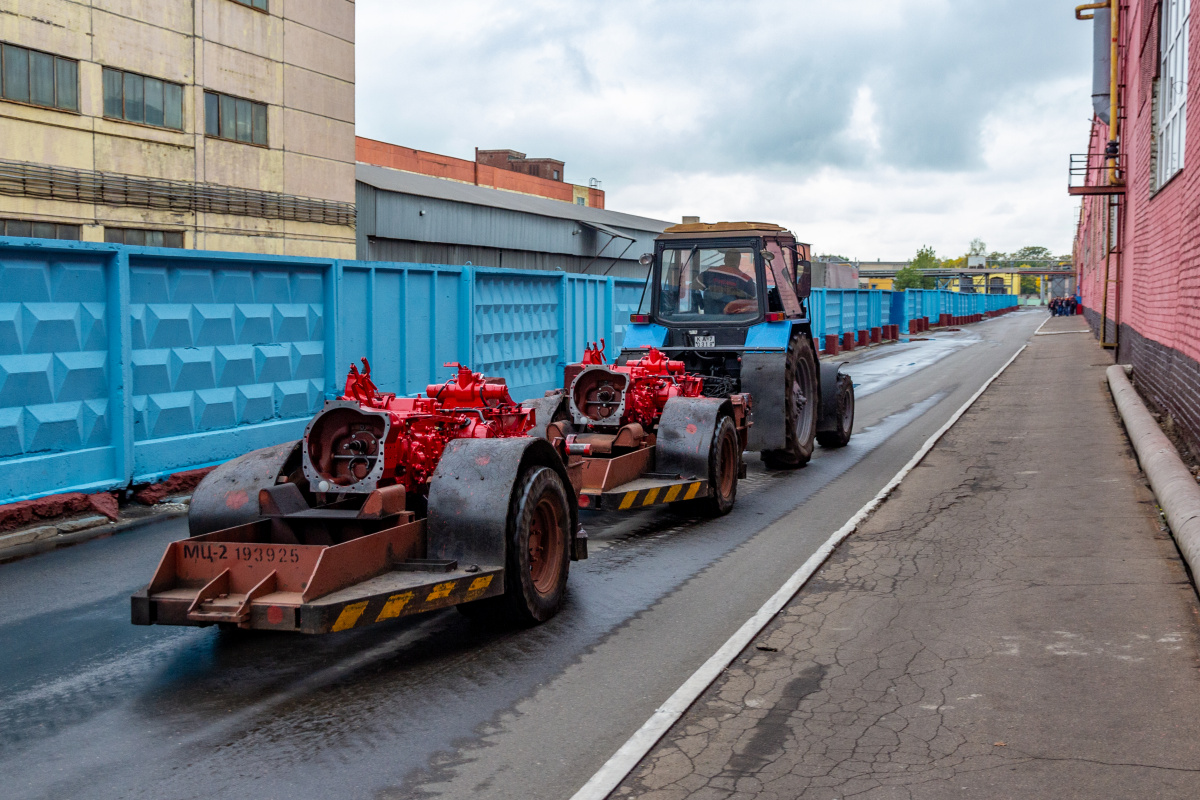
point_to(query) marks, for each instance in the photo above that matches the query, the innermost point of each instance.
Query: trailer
(389, 506)
(642, 433)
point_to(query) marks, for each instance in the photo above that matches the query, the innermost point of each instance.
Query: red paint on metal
(274, 615)
(236, 500)
(468, 406)
(691, 429)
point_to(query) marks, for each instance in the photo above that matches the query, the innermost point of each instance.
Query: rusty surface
(602, 474)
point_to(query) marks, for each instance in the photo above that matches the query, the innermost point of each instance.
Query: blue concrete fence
(124, 364)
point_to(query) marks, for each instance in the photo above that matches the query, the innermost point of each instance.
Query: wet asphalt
(91, 706)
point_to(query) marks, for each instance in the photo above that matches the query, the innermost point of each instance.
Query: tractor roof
(707, 229)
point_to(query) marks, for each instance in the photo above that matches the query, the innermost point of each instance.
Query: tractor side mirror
(767, 255)
(647, 259)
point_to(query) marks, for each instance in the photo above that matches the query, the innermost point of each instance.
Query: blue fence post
(466, 316)
(121, 378)
(609, 326)
(560, 363)
(331, 298)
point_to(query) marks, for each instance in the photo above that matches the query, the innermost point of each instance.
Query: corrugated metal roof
(393, 180)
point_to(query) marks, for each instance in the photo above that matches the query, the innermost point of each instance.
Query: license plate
(704, 341)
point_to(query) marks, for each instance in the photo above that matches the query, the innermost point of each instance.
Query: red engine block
(638, 391)
(344, 445)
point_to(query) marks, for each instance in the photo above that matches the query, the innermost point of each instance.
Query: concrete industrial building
(214, 124)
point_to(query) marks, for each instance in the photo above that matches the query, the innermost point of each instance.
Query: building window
(1172, 103)
(555, 174)
(579, 201)
(30, 76)
(261, 5)
(38, 230)
(136, 98)
(143, 237)
(227, 117)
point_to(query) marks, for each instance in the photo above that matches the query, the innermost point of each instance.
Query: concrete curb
(100, 531)
(1173, 484)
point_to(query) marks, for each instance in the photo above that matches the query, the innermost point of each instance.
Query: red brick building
(1137, 246)
(542, 177)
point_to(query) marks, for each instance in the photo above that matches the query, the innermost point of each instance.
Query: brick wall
(1155, 304)
(382, 154)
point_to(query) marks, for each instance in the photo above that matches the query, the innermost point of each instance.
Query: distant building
(878, 274)
(216, 124)
(430, 208)
(546, 168)
(541, 177)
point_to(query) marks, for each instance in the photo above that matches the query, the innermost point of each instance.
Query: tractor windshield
(708, 284)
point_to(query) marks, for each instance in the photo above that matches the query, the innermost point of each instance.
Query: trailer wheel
(840, 437)
(538, 554)
(801, 405)
(724, 458)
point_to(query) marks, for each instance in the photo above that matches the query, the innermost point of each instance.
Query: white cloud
(869, 128)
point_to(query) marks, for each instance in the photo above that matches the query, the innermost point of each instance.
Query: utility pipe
(1114, 123)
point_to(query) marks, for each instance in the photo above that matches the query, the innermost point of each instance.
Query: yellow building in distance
(212, 124)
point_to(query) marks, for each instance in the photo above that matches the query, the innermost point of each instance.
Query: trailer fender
(546, 410)
(764, 376)
(228, 496)
(827, 420)
(685, 434)
(470, 494)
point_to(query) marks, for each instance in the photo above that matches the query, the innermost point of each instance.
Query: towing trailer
(642, 433)
(389, 506)
(730, 301)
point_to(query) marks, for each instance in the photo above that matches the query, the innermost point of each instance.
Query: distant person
(1072, 305)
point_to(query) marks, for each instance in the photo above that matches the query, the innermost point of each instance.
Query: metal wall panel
(408, 320)
(224, 352)
(58, 350)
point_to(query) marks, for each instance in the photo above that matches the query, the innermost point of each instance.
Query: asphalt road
(91, 706)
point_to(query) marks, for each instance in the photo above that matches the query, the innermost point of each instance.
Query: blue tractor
(730, 300)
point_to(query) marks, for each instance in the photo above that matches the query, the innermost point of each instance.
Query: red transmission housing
(609, 396)
(368, 439)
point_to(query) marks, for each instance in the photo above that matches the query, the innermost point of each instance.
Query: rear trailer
(388, 507)
(642, 433)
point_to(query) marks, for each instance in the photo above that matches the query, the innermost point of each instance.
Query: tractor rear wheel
(800, 406)
(840, 436)
(537, 553)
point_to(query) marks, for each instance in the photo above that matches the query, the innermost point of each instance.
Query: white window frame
(1173, 88)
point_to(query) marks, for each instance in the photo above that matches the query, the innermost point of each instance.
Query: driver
(727, 290)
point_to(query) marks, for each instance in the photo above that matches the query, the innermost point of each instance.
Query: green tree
(827, 258)
(926, 259)
(1032, 255)
(978, 247)
(909, 278)
(1029, 284)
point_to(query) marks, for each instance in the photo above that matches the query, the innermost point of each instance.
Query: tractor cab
(712, 287)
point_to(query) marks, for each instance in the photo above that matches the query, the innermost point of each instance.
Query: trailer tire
(537, 557)
(724, 459)
(840, 436)
(801, 406)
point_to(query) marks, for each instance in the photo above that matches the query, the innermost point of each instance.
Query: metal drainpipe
(1115, 122)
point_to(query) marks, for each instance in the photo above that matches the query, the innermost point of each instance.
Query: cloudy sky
(869, 127)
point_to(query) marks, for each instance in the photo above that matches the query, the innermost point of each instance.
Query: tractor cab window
(781, 269)
(708, 284)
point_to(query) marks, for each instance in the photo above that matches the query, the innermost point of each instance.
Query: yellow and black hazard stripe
(641, 498)
(317, 617)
